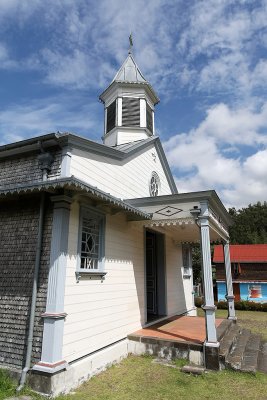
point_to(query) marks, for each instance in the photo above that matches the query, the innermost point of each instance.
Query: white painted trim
(229, 283)
(105, 120)
(119, 111)
(142, 113)
(66, 161)
(211, 344)
(50, 368)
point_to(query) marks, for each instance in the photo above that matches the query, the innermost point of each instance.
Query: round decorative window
(154, 184)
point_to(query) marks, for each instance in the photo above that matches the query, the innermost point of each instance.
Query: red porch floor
(178, 328)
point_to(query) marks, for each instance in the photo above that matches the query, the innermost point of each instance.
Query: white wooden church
(103, 232)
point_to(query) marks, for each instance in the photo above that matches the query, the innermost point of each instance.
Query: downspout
(45, 162)
(34, 294)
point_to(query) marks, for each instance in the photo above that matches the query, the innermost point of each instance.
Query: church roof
(129, 72)
(76, 185)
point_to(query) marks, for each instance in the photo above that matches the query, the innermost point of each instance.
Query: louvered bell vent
(130, 111)
(149, 118)
(111, 116)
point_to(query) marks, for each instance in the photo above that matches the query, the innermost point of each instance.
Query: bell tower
(129, 103)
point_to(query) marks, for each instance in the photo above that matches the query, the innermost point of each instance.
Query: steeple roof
(129, 72)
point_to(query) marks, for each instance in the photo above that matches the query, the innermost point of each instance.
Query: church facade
(95, 242)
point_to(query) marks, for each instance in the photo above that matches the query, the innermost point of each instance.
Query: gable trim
(165, 166)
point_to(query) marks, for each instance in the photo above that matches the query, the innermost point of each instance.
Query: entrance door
(155, 275)
(236, 290)
(151, 274)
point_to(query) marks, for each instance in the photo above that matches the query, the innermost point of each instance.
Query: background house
(249, 271)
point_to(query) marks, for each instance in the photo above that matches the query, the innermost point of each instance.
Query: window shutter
(130, 111)
(111, 116)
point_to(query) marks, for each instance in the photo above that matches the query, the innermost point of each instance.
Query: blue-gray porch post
(211, 345)
(51, 358)
(229, 285)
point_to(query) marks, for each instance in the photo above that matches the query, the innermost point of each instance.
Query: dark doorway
(236, 290)
(155, 275)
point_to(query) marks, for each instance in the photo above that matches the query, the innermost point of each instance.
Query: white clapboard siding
(176, 303)
(128, 305)
(86, 324)
(78, 309)
(97, 328)
(123, 179)
(85, 346)
(100, 313)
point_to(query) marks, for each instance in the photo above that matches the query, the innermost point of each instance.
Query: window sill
(90, 275)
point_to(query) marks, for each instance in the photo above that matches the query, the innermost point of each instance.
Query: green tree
(250, 224)
(196, 264)
(249, 227)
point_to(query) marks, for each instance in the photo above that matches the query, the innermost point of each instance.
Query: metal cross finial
(130, 43)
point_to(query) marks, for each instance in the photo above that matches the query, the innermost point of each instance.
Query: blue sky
(205, 59)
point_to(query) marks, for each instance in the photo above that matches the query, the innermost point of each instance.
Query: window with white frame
(91, 241)
(187, 263)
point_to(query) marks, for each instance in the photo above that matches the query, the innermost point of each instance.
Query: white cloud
(49, 115)
(200, 161)
(171, 38)
(235, 126)
(255, 166)
(86, 36)
(220, 41)
(210, 48)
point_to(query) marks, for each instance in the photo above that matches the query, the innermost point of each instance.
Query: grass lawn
(138, 378)
(256, 321)
(6, 386)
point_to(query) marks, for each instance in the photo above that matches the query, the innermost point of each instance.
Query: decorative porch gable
(197, 217)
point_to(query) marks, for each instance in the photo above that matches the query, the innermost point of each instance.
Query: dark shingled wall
(26, 169)
(18, 236)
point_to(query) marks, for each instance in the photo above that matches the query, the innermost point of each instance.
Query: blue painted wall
(244, 291)
(221, 287)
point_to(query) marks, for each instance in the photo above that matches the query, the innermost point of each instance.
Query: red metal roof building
(242, 253)
(249, 271)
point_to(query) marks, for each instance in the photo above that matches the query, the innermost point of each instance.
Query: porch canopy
(180, 211)
(196, 217)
